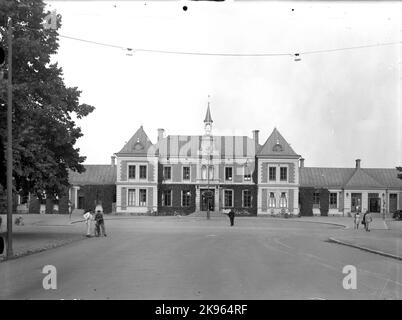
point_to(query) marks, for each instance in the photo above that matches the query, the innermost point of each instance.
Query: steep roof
(277, 146)
(349, 178)
(94, 174)
(138, 144)
(208, 117)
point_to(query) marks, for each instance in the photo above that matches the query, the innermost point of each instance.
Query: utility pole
(208, 191)
(9, 145)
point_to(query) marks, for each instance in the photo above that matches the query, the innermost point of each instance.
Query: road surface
(192, 258)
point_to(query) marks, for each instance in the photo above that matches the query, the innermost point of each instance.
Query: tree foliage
(44, 130)
(400, 172)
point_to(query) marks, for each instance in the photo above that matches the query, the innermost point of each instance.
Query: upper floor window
(186, 173)
(143, 172)
(284, 174)
(272, 173)
(211, 172)
(229, 173)
(204, 172)
(131, 172)
(167, 173)
(247, 173)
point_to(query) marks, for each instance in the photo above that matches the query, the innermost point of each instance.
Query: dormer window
(138, 146)
(277, 147)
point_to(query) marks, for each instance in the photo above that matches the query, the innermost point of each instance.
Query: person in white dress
(88, 220)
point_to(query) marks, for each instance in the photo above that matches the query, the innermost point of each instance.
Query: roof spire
(208, 118)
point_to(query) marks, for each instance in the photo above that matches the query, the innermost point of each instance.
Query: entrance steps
(203, 214)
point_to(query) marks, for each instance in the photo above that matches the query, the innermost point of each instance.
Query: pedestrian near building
(357, 220)
(231, 215)
(88, 220)
(99, 224)
(367, 220)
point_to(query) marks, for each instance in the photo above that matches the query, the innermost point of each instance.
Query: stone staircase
(212, 214)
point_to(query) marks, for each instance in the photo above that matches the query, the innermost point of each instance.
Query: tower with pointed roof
(208, 122)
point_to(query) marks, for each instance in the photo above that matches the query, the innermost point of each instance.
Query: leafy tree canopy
(44, 130)
(400, 172)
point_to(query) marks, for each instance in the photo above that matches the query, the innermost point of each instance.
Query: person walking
(367, 220)
(88, 220)
(357, 220)
(231, 215)
(99, 224)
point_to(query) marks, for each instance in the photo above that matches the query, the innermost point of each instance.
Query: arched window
(283, 202)
(211, 172)
(204, 172)
(272, 200)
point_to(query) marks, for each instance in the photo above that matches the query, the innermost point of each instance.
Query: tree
(400, 172)
(44, 130)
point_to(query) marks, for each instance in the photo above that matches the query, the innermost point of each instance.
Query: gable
(276, 146)
(139, 144)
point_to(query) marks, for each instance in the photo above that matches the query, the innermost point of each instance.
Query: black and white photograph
(200, 151)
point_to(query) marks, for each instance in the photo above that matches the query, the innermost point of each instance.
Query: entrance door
(207, 198)
(374, 205)
(393, 202)
(356, 202)
(374, 202)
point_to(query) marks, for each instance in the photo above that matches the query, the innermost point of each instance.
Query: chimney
(358, 161)
(301, 162)
(113, 161)
(160, 133)
(255, 137)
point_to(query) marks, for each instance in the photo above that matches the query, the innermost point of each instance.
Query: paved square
(192, 258)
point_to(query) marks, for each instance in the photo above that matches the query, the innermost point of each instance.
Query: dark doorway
(374, 205)
(374, 202)
(207, 198)
(81, 202)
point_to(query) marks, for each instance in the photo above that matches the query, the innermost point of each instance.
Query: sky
(332, 107)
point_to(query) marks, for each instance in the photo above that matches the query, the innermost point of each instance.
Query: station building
(186, 174)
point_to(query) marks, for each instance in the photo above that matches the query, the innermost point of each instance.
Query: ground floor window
(283, 201)
(167, 198)
(131, 197)
(333, 200)
(228, 198)
(246, 198)
(143, 197)
(271, 200)
(185, 198)
(316, 200)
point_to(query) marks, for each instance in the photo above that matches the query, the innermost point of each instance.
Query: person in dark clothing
(231, 215)
(99, 224)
